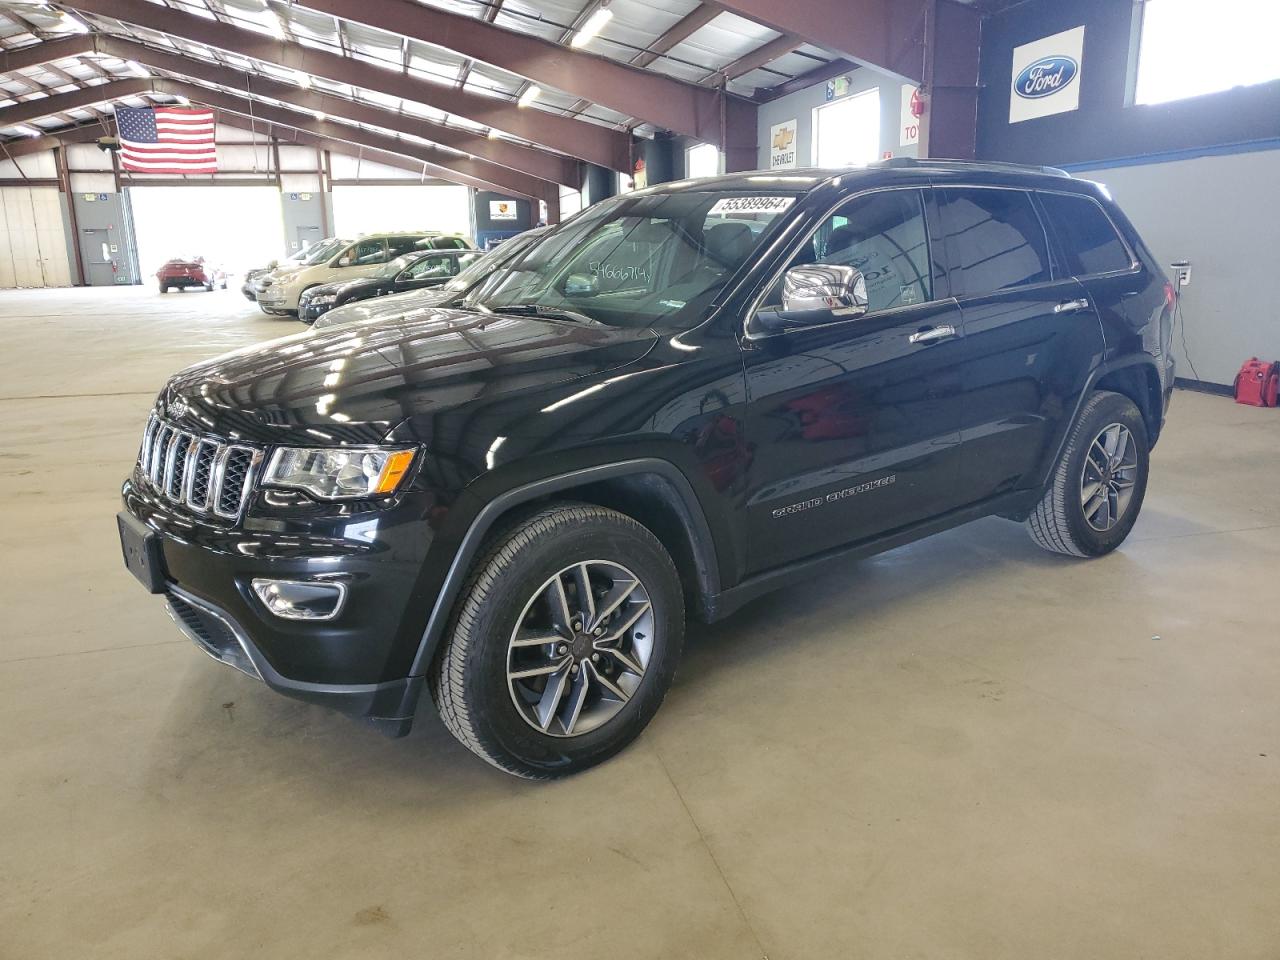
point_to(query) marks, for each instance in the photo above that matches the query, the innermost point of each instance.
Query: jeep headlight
(334, 473)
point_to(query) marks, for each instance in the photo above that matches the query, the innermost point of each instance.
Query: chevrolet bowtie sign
(782, 145)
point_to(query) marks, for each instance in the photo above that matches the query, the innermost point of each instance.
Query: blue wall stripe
(1221, 150)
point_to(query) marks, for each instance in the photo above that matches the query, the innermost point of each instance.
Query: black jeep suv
(679, 399)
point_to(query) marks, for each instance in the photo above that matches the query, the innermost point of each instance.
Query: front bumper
(273, 298)
(308, 310)
(357, 662)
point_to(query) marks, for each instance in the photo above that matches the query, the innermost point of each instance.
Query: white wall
(1223, 214)
(366, 209)
(800, 106)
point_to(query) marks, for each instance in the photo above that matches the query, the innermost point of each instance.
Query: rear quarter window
(1089, 239)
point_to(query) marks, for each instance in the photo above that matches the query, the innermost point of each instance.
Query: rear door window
(1089, 239)
(367, 252)
(995, 240)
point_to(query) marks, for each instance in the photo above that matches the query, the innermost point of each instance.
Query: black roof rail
(988, 164)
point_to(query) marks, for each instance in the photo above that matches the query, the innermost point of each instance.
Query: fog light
(301, 599)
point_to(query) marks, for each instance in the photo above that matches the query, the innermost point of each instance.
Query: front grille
(208, 475)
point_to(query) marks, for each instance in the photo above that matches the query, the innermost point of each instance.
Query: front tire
(1097, 488)
(563, 644)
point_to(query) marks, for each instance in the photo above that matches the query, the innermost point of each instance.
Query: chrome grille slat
(207, 475)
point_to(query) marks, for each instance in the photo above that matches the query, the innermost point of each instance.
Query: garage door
(34, 248)
(233, 227)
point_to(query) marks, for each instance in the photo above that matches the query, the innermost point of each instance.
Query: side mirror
(581, 285)
(830, 287)
(344, 261)
(272, 265)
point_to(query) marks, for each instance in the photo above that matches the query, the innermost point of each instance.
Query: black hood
(355, 384)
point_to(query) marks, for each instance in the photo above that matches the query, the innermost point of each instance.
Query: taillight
(1169, 294)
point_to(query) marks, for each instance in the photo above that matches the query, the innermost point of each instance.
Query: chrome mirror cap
(832, 287)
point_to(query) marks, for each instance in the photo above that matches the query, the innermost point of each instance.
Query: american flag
(166, 140)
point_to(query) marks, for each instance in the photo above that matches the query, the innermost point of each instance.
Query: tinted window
(401, 245)
(368, 251)
(1088, 238)
(656, 258)
(429, 267)
(883, 235)
(994, 238)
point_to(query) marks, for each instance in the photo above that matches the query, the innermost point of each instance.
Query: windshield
(639, 260)
(393, 267)
(324, 251)
(491, 261)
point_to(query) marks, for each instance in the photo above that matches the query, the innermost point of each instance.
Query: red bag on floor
(1258, 382)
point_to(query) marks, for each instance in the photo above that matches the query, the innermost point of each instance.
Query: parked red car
(182, 272)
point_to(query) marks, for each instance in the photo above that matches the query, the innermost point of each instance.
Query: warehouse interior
(959, 747)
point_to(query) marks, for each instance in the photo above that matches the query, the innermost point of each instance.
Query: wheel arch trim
(700, 537)
(1101, 371)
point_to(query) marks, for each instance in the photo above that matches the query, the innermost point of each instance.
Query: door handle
(933, 334)
(1072, 306)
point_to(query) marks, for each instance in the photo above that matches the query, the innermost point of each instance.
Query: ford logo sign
(1045, 77)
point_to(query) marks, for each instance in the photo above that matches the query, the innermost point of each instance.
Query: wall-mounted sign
(782, 145)
(912, 111)
(1046, 76)
(837, 87)
(93, 197)
(299, 196)
(114, 248)
(502, 210)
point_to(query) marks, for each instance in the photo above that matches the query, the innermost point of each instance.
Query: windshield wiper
(538, 310)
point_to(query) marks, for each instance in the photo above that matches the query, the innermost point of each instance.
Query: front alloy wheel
(563, 643)
(580, 648)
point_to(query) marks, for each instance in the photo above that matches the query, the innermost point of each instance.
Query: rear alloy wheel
(1097, 487)
(564, 642)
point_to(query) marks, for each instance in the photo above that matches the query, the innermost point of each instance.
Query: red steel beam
(542, 164)
(437, 162)
(680, 31)
(35, 54)
(765, 53)
(675, 105)
(28, 110)
(587, 141)
(449, 166)
(886, 34)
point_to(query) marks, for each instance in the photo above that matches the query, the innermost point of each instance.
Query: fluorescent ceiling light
(28, 131)
(303, 80)
(531, 94)
(137, 69)
(593, 26)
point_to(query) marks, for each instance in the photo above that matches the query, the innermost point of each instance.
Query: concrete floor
(966, 748)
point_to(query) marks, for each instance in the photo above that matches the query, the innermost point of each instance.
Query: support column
(598, 184)
(499, 216)
(949, 126)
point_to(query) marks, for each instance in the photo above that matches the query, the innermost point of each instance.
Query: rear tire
(164, 288)
(1096, 490)
(634, 621)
